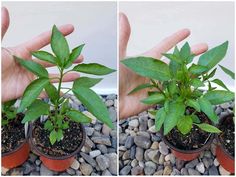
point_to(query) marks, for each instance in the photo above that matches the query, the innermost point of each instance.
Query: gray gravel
(98, 157)
(153, 156)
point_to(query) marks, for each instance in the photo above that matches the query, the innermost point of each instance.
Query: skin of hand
(130, 105)
(15, 78)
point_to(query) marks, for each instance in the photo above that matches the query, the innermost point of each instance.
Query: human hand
(130, 105)
(14, 77)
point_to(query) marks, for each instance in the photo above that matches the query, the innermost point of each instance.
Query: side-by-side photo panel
(176, 88)
(59, 89)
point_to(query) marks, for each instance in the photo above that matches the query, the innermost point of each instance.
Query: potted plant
(225, 148)
(59, 135)
(15, 147)
(187, 117)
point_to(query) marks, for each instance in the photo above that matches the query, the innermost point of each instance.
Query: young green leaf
(52, 92)
(78, 117)
(195, 118)
(212, 73)
(185, 53)
(213, 56)
(48, 125)
(85, 82)
(173, 57)
(197, 69)
(74, 55)
(207, 108)
(59, 46)
(53, 137)
(35, 110)
(220, 83)
(208, 128)
(140, 87)
(93, 68)
(65, 106)
(45, 56)
(148, 67)
(8, 104)
(184, 124)
(160, 118)
(227, 71)
(197, 83)
(172, 87)
(153, 99)
(216, 97)
(32, 92)
(59, 134)
(33, 67)
(194, 104)
(94, 104)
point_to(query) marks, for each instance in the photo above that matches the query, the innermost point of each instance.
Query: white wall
(210, 22)
(94, 22)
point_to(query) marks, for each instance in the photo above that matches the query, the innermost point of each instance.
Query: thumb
(124, 34)
(5, 20)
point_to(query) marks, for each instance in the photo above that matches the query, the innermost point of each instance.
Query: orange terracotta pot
(58, 164)
(16, 157)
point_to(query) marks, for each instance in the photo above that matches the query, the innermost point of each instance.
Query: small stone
(102, 148)
(159, 172)
(142, 123)
(106, 173)
(161, 159)
(102, 140)
(125, 170)
(142, 141)
(132, 152)
(167, 157)
(175, 172)
(213, 149)
(156, 137)
(70, 171)
(172, 159)
(89, 131)
(4, 170)
(126, 155)
(17, 172)
(179, 164)
(109, 103)
(88, 159)
(106, 130)
(75, 165)
(218, 110)
(86, 169)
(152, 129)
(38, 162)
(141, 164)
(200, 167)
(216, 163)
(184, 171)
(122, 138)
(193, 172)
(134, 123)
(98, 127)
(192, 163)
(167, 170)
(44, 171)
(111, 97)
(28, 168)
(155, 145)
(154, 155)
(32, 157)
(207, 154)
(163, 148)
(113, 114)
(225, 105)
(34, 173)
(137, 170)
(213, 171)
(223, 171)
(207, 162)
(95, 153)
(129, 142)
(134, 163)
(150, 168)
(150, 123)
(103, 162)
(112, 163)
(139, 154)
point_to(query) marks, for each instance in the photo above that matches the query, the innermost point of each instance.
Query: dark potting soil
(69, 144)
(13, 134)
(228, 133)
(195, 139)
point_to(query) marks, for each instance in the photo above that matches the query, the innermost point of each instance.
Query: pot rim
(222, 146)
(212, 136)
(61, 157)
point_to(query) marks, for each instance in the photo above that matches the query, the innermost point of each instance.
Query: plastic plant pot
(188, 155)
(16, 157)
(223, 157)
(58, 164)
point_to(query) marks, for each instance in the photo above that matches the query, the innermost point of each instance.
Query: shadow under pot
(15, 147)
(59, 156)
(225, 148)
(189, 147)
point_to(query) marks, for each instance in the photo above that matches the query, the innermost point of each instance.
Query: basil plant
(9, 112)
(179, 86)
(58, 111)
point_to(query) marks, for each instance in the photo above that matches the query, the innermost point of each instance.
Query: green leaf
(59, 134)
(93, 68)
(176, 111)
(32, 92)
(65, 125)
(197, 69)
(35, 110)
(85, 82)
(185, 52)
(194, 104)
(48, 125)
(74, 55)
(59, 46)
(45, 56)
(52, 92)
(197, 83)
(216, 97)
(172, 87)
(211, 74)
(153, 99)
(64, 106)
(33, 67)
(227, 71)
(184, 124)
(208, 128)
(53, 137)
(8, 104)
(94, 104)
(213, 56)
(173, 57)
(160, 118)
(78, 116)
(140, 87)
(207, 108)
(195, 118)
(152, 112)
(220, 83)
(148, 67)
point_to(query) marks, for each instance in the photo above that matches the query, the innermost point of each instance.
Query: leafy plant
(179, 86)
(59, 111)
(9, 112)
